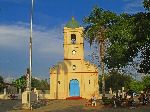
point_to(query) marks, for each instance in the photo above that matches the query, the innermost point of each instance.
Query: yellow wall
(68, 47)
(63, 72)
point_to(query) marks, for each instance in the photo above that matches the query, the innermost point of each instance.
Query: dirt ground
(67, 106)
(7, 105)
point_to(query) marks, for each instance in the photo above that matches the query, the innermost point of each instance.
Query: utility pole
(30, 54)
(26, 95)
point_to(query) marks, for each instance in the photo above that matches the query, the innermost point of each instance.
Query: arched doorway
(74, 88)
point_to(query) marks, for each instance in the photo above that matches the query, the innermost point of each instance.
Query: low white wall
(44, 96)
(3, 96)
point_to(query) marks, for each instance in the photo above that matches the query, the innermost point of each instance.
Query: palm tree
(96, 26)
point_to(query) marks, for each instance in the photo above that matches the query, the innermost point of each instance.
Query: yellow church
(73, 77)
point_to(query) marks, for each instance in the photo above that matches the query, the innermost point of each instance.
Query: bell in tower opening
(73, 38)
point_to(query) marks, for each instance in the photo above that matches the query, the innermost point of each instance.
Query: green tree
(146, 4)
(136, 86)
(146, 82)
(122, 48)
(44, 85)
(40, 84)
(116, 81)
(1, 83)
(129, 35)
(35, 83)
(96, 25)
(20, 83)
(141, 32)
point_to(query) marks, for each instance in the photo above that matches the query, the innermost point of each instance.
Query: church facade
(73, 76)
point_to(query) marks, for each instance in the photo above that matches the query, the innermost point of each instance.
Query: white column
(110, 91)
(19, 91)
(123, 92)
(119, 92)
(5, 91)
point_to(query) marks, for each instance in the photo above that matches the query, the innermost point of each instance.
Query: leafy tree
(20, 83)
(1, 83)
(40, 84)
(136, 86)
(146, 82)
(116, 81)
(122, 48)
(142, 29)
(96, 25)
(44, 85)
(128, 36)
(147, 4)
(141, 32)
(35, 83)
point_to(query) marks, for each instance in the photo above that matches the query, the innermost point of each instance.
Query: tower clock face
(73, 52)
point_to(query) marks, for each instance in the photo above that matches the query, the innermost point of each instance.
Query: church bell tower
(73, 41)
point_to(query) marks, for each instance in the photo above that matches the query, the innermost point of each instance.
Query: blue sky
(49, 18)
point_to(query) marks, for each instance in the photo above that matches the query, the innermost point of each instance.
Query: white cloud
(14, 48)
(13, 36)
(45, 41)
(133, 6)
(49, 41)
(8, 79)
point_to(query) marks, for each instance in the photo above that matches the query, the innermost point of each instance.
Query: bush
(106, 101)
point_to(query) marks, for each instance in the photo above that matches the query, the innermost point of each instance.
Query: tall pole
(30, 69)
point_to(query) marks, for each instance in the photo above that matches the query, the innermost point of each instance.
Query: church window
(89, 82)
(74, 67)
(73, 38)
(58, 82)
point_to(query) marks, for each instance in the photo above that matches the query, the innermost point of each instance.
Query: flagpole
(30, 76)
